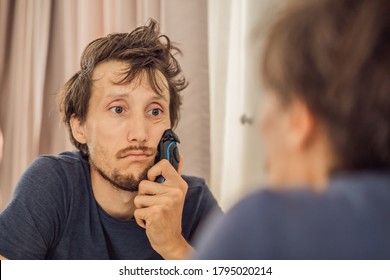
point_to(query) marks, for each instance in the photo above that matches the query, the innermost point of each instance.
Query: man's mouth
(137, 156)
(136, 153)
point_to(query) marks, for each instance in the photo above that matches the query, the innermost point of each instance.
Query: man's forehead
(114, 73)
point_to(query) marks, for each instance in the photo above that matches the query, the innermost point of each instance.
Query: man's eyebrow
(116, 95)
(156, 96)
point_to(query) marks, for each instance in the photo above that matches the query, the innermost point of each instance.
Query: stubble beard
(127, 183)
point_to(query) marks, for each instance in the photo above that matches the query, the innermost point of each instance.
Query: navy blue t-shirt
(53, 215)
(350, 220)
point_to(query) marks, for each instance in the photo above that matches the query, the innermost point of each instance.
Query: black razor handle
(167, 149)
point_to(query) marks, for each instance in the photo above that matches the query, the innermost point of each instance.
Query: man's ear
(78, 129)
(301, 124)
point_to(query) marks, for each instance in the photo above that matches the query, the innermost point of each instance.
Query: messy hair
(145, 51)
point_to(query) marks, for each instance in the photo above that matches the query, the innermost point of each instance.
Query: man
(102, 202)
(326, 127)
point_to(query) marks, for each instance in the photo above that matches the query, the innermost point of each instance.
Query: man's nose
(138, 129)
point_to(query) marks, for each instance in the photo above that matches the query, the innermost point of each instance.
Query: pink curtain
(40, 46)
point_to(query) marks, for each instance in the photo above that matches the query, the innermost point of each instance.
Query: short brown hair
(335, 56)
(145, 51)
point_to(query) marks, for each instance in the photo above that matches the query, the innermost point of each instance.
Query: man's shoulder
(199, 194)
(197, 188)
(258, 224)
(339, 204)
(255, 202)
(194, 182)
(48, 169)
(68, 161)
(303, 223)
(343, 195)
(53, 170)
(283, 203)
(63, 158)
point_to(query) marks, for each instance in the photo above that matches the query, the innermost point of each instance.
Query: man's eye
(117, 109)
(155, 112)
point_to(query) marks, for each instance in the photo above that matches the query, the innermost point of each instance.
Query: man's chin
(124, 181)
(136, 169)
(129, 182)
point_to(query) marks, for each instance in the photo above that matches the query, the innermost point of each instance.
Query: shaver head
(167, 148)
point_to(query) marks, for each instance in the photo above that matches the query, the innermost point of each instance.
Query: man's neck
(310, 166)
(116, 202)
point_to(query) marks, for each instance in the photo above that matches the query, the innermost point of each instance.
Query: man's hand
(159, 210)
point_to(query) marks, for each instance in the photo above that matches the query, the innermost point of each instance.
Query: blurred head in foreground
(326, 70)
(326, 126)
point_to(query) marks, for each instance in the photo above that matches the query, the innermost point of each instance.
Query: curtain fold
(189, 30)
(23, 75)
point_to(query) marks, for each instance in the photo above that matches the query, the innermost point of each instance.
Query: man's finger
(142, 201)
(140, 217)
(163, 168)
(150, 188)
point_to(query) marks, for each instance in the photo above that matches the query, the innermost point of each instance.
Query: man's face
(124, 125)
(274, 131)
